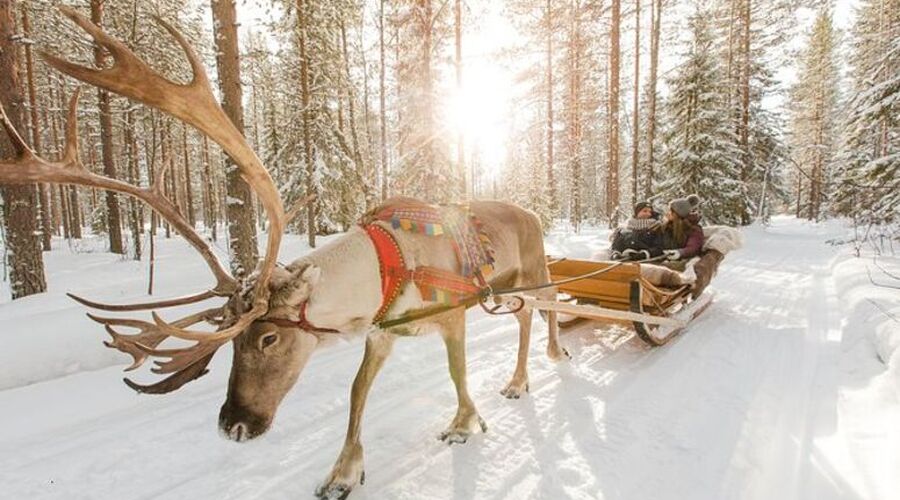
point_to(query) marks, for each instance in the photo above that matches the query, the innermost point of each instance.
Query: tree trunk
(745, 113)
(612, 201)
(26, 268)
(401, 148)
(113, 218)
(71, 192)
(655, 16)
(209, 192)
(134, 207)
(430, 156)
(551, 181)
(188, 184)
(166, 165)
(242, 232)
(150, 145)
(307, 123)
(574, 115)
(637, 94)
(60, 210)
(47, 228)
(382, 110)
(368, 159)
(351, 108)
(460, 138)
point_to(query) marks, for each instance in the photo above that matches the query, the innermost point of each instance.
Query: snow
(777, 391)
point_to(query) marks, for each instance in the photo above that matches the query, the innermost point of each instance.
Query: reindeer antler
(193, 103)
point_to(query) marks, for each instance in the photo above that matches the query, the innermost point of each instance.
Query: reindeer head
(268, 357)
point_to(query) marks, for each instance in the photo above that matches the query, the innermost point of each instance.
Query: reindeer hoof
(333, 491)
(515, 390)
(460, 433)
(339, 484)
(454, 437)
(559, 354)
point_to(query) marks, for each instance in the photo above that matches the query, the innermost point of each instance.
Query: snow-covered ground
(788, 387)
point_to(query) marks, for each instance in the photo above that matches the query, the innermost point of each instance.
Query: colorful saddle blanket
(471, 245)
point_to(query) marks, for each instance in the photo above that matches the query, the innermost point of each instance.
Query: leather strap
(301, 323)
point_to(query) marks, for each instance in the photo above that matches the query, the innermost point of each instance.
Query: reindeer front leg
(467, 419)
(348, 469)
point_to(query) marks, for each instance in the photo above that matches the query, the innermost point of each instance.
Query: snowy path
(763, 398)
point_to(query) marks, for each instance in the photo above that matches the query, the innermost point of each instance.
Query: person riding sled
(640, 238)
(681, 234)
(683, 238)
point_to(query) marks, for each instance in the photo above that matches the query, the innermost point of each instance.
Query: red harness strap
(301, 323)
(394, 276)
(391, 265)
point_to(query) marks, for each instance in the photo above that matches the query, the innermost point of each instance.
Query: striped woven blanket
(472, 246)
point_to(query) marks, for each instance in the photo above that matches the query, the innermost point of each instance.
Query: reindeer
(277, 316)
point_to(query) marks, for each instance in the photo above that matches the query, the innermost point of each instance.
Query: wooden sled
(619, 292)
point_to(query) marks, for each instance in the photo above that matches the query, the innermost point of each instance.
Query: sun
(480, 111)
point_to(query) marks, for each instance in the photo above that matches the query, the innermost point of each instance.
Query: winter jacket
(692, 246)
(638, 234)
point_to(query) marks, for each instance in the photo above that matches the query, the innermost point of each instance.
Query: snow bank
(864, 286)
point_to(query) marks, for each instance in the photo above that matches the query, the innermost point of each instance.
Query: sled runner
(608, 290)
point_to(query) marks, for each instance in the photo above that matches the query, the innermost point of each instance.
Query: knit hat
(684, 206)
(642, 205)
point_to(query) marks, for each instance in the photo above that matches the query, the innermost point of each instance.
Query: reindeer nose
(238, 432)
(240, 425)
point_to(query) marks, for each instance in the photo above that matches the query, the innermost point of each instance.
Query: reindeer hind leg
(538, 274)
(554, 351)
(518, 385)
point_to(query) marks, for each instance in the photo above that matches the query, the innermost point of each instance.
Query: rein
(485, 293)
(395, 276)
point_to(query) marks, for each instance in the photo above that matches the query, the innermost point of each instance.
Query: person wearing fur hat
(682, 237)
(640, 238)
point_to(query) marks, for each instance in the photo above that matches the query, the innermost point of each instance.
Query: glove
(672, 254)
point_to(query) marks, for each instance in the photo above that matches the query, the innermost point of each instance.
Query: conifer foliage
(867, 180)
(814, 111)
(701, 153)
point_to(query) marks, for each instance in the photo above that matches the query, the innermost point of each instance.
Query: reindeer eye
(268, 340)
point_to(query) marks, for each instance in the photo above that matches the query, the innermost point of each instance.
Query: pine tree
(612, 182)
(19, 202)
(752, 38)
(113, 218)
(242, 232)
(701, 154)
(651, 95)
(814, 106)
(424, 168)
(867, 181)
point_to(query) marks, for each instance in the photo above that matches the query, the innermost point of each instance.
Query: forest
(366, 179)
(575, 109)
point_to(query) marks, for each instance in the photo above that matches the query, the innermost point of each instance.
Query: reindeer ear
(311, 275)
(280, 278)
